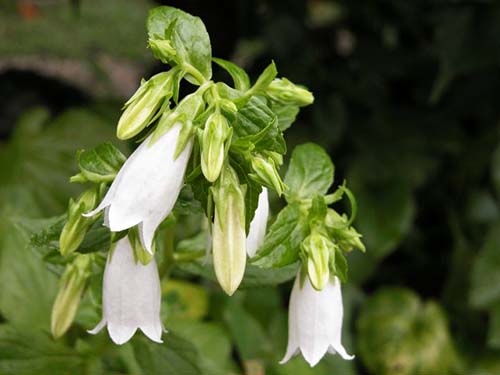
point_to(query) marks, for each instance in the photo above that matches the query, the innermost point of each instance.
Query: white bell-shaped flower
(258, 226)
(315, 321)
(147, 186)
(131, 296)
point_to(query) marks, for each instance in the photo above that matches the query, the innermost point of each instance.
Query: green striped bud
(72, 285)
(228, 236)
(141, 109)
(75, 229)
(212, 141)
(284, 91)
(266, 173)
(318, 250)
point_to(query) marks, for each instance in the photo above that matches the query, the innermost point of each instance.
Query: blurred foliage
(406, 104)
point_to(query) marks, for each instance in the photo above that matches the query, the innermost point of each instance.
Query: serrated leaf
(239, 76)
(310, 172)
(100, 164)
(282, 242)
(255, 125)
(188, 35)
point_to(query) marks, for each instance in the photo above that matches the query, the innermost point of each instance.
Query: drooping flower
(131, 296)
(315, 321)
(147, 186)
(258, 225)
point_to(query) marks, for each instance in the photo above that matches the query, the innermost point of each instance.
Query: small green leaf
(239, 76)
(340, 267)
(282, 242)
(174, 356)
(265, 78)
(100, 164)
(310, 172)
(188, 37)
(286, 114)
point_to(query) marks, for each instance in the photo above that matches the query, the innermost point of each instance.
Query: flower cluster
(224, 146)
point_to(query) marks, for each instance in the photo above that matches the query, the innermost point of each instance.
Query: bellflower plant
(215, 152)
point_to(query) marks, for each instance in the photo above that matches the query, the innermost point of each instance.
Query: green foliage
(397, 334)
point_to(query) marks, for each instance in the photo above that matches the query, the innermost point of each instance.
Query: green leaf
(286, 114)
(254, 276)
(310, 172)
(183, 300)
(39, 158)
(28, 352)
(255, 127)
(212, 342)
(188, 36)
(249, 336)
(174, 356)
(485, 277)
(30, 284)
(100, 164)
(239, 76)
(265, 78)
(340, 265)
(282, 242)
(397, 333)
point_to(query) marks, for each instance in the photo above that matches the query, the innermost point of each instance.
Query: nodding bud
(284, 91)
(73, 283)
(267, 174)
(75, 229)
(141, 108)
(318, 249)
(228, 236)
(212, 141)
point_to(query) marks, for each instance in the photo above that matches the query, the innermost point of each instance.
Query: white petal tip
(97, 328)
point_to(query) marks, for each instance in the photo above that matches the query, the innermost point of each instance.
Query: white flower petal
(258, 225)
(147, 186)
(315, 320)
(98, 327)
(131, 296)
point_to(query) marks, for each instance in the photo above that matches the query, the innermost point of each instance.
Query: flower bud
(286, 92)
(75, 229)
(228, 236)
(73, 283)
(212, 141)
(318, 249)
(141, 108)
(185, 112)
(266, 173)
(163, 49)
(346, 237)
(140, 253)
